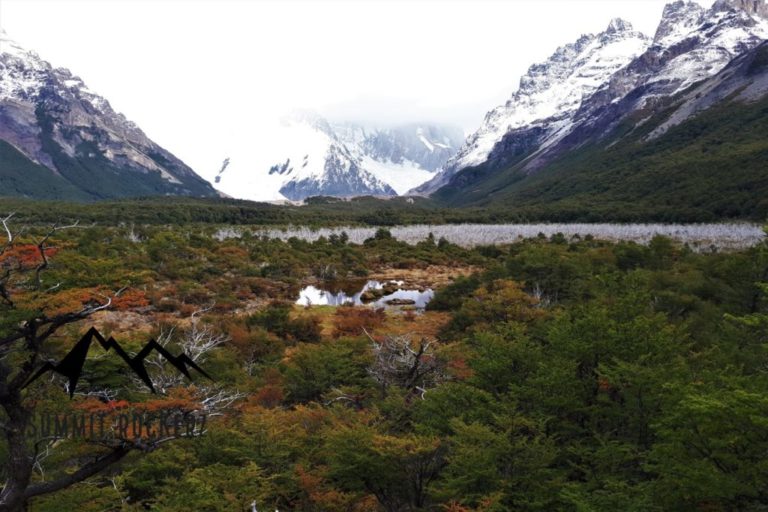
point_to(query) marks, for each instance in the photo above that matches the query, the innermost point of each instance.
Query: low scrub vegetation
(567, 373)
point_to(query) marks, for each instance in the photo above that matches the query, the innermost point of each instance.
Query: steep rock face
(743, 80)
(549, 94)
(329, 167)
(402, 156)
(678, 19)
(756, 8)
(690, 45)
(52, 118)
(679, 57)
(341, 176)
(428, 146)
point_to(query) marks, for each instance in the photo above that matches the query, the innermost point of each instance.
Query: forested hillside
(670, 178)
(637, 173)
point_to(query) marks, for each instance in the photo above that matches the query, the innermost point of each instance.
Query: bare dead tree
(102, 394)
(216, 399)
(354, 400)
(399, 362)
(196, 342)
(22, 346)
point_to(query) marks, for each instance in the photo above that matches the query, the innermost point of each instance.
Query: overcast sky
(202, 77)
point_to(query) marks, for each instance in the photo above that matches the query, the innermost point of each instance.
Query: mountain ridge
(549, 93)
(92, 152)
(700, 156)
(691, 45)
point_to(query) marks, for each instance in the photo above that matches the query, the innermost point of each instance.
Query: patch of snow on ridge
(424, 140)
(22, 72)
(555, 87)
(401, 177)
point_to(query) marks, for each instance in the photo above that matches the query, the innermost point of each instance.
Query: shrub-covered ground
(563, 374)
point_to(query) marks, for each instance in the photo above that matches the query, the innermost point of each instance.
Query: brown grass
(355, 321)
(433, 276)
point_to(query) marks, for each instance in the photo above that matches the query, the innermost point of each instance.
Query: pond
(700, 237)
(378, 294)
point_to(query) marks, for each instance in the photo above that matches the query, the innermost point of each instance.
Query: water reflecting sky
(312, 295)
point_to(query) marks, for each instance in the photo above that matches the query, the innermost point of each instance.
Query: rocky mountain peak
(678, 18)
(550, 92)
(9, 47)
(51, 118)
(758, 8)
(309, 118)
(618, 25)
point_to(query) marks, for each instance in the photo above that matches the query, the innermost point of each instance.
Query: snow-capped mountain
(67, 142)
(550, 93)
(308, 156)
(402, 156)
(427, 145)
(696, 156)
(743, 80)
(306, 159)
(691, 44)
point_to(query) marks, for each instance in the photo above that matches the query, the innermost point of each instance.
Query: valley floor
(558, 372)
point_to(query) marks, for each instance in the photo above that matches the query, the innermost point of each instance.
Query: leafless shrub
(399, 362)
(216, 399)
(196, 342)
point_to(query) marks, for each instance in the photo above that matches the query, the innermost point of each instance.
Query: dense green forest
(550, 374)
(317, 212)
(24, 178)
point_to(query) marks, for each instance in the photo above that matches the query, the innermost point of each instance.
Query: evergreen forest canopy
(557, 374)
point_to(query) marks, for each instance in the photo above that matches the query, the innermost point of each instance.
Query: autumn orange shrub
(233, 254)
(239, 335)
(251, 287)
(66, 301)
(188, 309)
(180, 399)
(271, 394)
(96, 406)
(130, 299)
(27, 255)
(459, 369)
(243, 293)
(455, 506)
(352, 321)
(321, 493)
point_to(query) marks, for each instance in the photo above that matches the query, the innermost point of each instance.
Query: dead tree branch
(397, 362)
